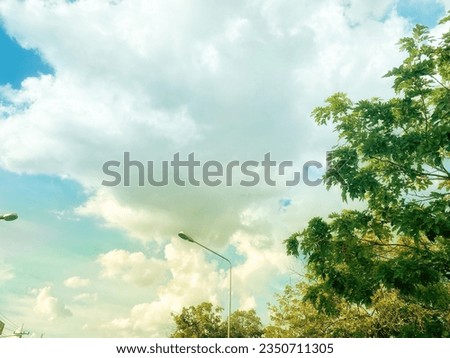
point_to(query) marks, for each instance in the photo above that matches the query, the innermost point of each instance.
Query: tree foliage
(391, 259)
(245, 324)
(205, 321)
(389, 315)
(202, 321)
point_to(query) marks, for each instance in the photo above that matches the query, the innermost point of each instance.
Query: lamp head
(9, 217)
(183, 236)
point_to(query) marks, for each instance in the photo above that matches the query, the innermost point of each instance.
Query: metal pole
(190, 239)
(229, 305)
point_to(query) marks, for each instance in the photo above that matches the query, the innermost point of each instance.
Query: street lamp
(183, 236)
(9, 217)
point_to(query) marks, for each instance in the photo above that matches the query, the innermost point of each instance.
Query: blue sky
(427, 13)
(18, 63)
(228, 83)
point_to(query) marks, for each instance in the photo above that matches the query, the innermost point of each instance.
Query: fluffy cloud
(208, 79)
(49, 306)
(229, 80)
(197, 276)
(193, 279)
(6, 273)
(132, 267)
(265, 257)
(138, 223)
(77, 282)
(86, 297)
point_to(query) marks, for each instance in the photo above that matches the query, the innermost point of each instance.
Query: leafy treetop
(395, 156)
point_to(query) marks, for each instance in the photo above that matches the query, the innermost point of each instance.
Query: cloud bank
(226, 80)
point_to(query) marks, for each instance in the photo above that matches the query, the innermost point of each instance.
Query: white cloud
(237, 28)
(263, 270)
(132, 267)
(86, 297)
(77, 282)
(144, 224)
(361, 10)
(49, 306)
(210, 58)
(197, 277)
(226, 80)
(231, 82)
(193, 279)
(6, 273)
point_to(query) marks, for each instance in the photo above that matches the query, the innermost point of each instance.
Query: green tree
(205, 321)
(245, 324)
(202, 321)
(389, 315)
(394, 155)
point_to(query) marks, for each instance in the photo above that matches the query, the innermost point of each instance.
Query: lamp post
(9, 217)
(183, 236)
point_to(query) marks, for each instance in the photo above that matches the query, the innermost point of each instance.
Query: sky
(83, 82)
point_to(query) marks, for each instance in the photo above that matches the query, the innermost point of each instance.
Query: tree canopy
(205, 321)
(390, 260)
